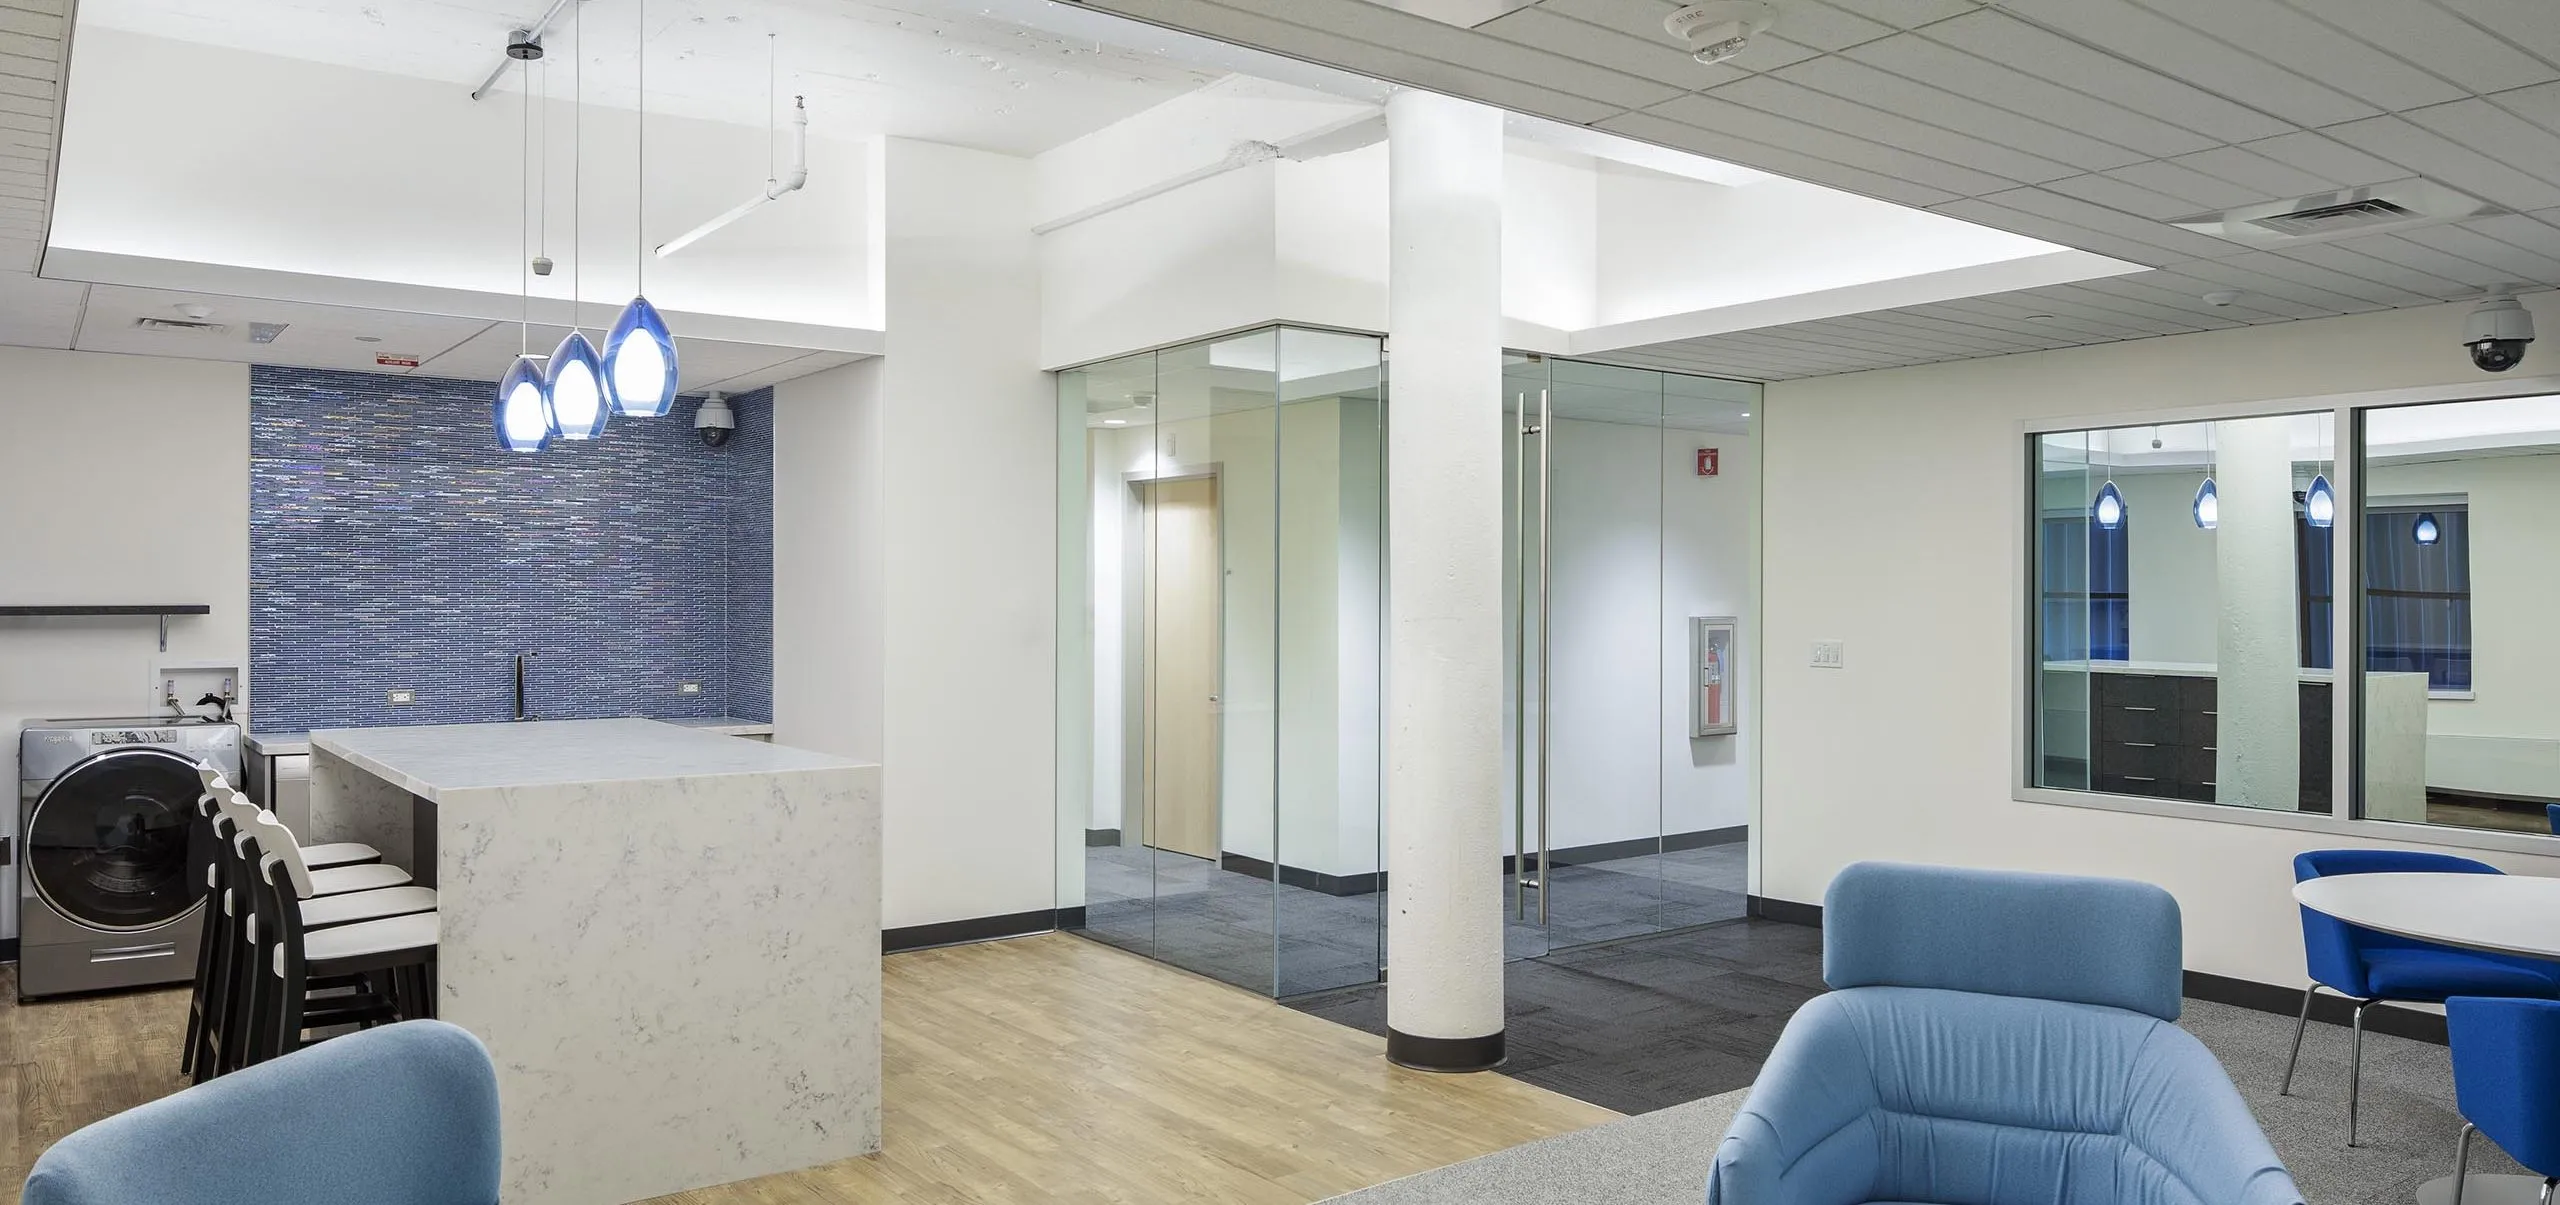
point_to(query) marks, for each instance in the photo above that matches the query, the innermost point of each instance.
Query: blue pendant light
(640, 362)
(2427, 532)
(576, 385)
(2208, 506)
(2319, 503)
(2108, 510)
(524, 410)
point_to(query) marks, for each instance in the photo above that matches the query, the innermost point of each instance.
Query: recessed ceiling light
(1115, 422)
(367, 339)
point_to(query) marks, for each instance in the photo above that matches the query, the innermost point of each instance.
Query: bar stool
(335, 853)
(397, 952)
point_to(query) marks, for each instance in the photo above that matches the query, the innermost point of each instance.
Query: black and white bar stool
(394, 954)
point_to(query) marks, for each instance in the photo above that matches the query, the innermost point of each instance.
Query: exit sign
(1708, 462)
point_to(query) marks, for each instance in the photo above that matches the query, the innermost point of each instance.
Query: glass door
(1628, 513)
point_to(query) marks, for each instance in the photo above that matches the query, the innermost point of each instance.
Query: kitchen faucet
(521, 658)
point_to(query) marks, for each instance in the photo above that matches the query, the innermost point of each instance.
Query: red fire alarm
(1707, 462)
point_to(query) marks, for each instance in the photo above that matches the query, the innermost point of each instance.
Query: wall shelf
(161, 610)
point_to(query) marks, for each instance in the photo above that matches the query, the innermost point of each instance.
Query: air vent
(2370, 210)
(2331, 219)
(266, 332)
(179, 326)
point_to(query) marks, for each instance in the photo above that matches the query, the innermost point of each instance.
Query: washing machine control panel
(133, 736)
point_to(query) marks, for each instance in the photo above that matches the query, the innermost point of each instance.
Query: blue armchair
(2506, 1057)
(2000, 1039)
(401, 1115)
(2368, 967)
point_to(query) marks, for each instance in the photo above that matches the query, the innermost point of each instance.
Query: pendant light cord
(578, 167)
(524, 223)
(640, 178)
(772, 89)
(542, 174)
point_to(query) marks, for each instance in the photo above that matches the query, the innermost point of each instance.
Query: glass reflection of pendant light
(524, 419)
(639, 356)
(2319, 503)
(578, 401)
(2207, 507)
(2427, 532)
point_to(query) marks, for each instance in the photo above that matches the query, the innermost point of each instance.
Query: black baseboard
(976, 928)
(8, 949)
(2327, 1008)
(1301, 877)
(1785, 912)
(1577, 855)
(1101, 836)
(1445, 1054)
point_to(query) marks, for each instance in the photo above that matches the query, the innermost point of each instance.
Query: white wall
(177, 150)
(1191, 262)
(827, 533)
(2173, 598)
(126, 480)
(2515, 575)
(1890, 511)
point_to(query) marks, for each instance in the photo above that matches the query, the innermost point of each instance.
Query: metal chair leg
(2355, 1069)
(2462, 1161)
(2548, 1183)
(2298, 1024)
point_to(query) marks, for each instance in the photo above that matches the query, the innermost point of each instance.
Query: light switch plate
(1830, 654)
(689, 688)
(403, 698)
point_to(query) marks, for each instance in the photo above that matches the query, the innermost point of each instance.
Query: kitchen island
(668, 938)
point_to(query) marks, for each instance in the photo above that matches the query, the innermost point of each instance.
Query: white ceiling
(31, 45)
(868, 67)
(2088, 123)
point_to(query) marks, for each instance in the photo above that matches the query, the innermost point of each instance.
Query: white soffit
(2094, 124)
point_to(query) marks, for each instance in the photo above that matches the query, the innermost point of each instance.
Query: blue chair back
(2112, 942)
(2506, 1057)
(2551, 812)
(404, 1114)
(2333, 950)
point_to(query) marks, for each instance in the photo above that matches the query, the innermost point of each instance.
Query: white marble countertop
(288, 744)
(427, 760)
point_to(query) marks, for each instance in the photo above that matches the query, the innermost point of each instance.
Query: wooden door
(1183, 581)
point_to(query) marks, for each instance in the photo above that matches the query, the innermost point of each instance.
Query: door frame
(1137, 820)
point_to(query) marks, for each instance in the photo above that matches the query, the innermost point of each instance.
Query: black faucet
(521, 658)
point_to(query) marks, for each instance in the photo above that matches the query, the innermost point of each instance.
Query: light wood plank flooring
(1041, 1069)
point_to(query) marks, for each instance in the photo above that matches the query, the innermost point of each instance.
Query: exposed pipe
(532, 34)
(774, 188)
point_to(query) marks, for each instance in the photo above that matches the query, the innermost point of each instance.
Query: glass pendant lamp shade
(640, 362)
(2208, 506)
(2319, 503)
(2427, 532)
(2108, 510)
(524, 410)
(578, 400)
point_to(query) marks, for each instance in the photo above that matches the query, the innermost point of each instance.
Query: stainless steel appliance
(111, 881)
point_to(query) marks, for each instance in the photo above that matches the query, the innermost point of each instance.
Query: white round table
(2499, 913)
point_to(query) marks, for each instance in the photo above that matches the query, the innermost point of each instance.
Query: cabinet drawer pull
(2140, 744)
(2131, 707)
(2139, 778)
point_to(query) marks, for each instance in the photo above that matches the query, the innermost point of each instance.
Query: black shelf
(162, 610)
(168, 609)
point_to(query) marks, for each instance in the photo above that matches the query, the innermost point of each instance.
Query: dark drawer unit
(2154, 735)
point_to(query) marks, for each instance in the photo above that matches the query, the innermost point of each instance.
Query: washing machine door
(110, 841)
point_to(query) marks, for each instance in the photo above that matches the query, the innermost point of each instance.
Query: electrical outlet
(403, 698)
(1830, 654)
(689, 688)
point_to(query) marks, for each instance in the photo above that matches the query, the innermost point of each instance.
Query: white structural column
(2257, 650)
(1444, 556)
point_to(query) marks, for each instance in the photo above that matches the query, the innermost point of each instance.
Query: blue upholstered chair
(2506, 1057)
(1995, 1038)
(405, 1114)
(2551, 813)
(2369, 967)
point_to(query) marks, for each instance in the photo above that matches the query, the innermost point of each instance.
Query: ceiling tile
(2526, 23)
(2536, 233)
(1794, 101)
(1953, 71)
(2183, 295)
(2271, 31)
(2101, 217)
(1711, 112)
(2233, 274)
(2196, 190)
(1907, 14)
(1654, 59)
(2052, 230)
(2062, 61)
(1642, 20)
(2138, 35)
(1823, 27)
(2432, 152)
(35, 312)
(2539, 104)
(2409, 253)
(1380, 25)
(2347, 256)
(2255, 173)
(2517, 262)
(2140, 304)
(27, 67)
(2428, 36)
(1842, 76)
(2119, 195)
(2342, 166)
(1718, 144)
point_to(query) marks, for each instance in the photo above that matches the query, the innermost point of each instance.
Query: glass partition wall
(1221, 582)
(1222, 585)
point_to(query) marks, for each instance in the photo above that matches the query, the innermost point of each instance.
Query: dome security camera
(1719, 29)
(714, 421)
(2496, 332)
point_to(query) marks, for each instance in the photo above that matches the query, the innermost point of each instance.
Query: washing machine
(110, 873)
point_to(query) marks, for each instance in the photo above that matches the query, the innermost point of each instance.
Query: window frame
(2345, 815)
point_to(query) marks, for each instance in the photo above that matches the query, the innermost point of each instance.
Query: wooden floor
(1041, 1069)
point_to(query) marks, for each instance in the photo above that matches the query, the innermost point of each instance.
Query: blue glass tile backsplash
(393, 546)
